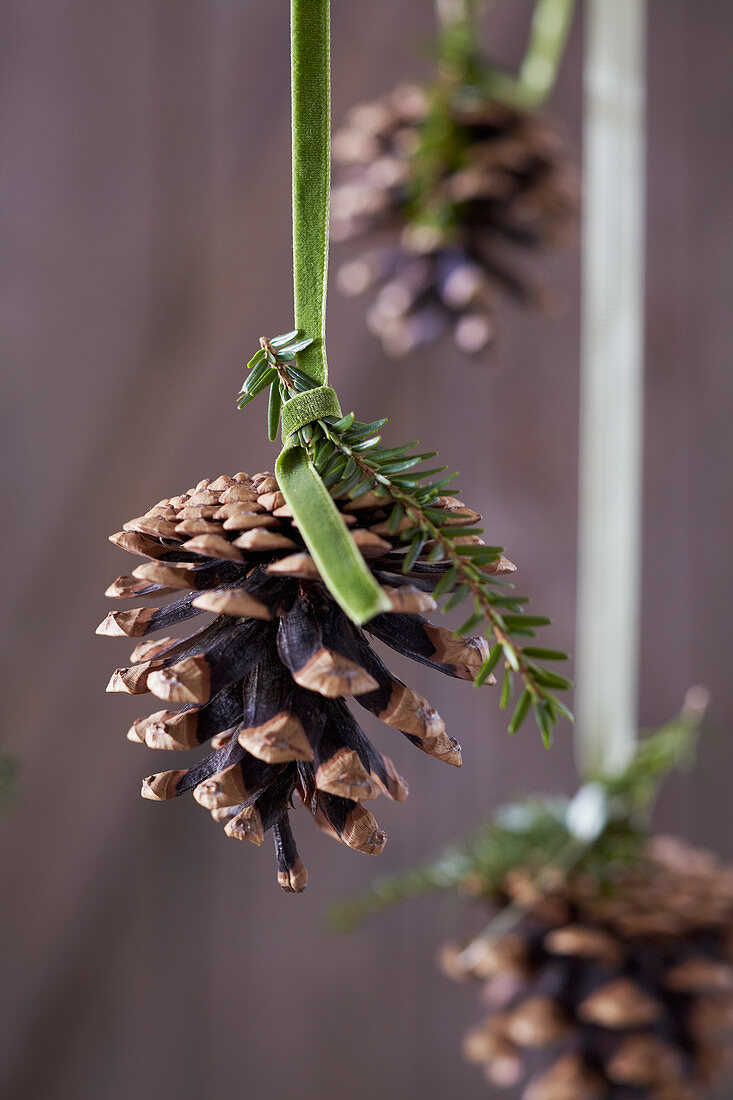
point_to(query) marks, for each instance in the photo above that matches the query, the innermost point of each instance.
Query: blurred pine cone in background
(451, 188)
(608, 991)
(266, 681)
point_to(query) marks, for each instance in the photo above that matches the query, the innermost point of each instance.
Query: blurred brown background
(145, 248)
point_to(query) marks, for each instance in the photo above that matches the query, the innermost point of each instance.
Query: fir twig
(351, 461)
(536, 837)
(465, 77)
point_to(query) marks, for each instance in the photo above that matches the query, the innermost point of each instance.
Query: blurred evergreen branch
(7, 776)
(466, 77)
(542, 832)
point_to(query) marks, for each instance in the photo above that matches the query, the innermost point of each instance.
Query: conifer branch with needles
(351, 461)
(537, 836)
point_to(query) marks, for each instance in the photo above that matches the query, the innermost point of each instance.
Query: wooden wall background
(145, 247)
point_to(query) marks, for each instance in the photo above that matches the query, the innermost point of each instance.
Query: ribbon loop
(306, 407)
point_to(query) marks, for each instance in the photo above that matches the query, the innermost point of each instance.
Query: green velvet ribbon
(306, 407)
(341, 565)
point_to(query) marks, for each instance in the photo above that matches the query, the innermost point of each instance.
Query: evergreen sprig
(466, 77)
(531, 836)
(349, 457)
(536, 835)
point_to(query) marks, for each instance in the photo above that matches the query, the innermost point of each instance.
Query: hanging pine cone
(604, 994)
(500, 182)
(266, 681)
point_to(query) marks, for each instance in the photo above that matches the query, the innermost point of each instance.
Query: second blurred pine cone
(622, 992)
(508, 185)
